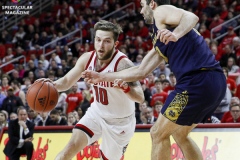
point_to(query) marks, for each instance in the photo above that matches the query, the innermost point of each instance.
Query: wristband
(126, 90)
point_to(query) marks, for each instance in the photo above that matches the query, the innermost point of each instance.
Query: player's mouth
(100, 51)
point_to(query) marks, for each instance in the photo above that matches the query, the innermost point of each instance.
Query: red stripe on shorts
(84, 129)
(103, 156)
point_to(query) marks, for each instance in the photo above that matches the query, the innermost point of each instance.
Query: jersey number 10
(101, 95)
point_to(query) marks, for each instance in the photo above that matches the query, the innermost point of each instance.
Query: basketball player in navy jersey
(201, 84)
(112, 114)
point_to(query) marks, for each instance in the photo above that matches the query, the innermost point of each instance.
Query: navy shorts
(195, 97)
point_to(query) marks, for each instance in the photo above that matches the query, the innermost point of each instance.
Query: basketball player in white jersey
(112, 114)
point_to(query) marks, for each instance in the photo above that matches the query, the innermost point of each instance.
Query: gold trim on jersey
(159, 52)
(176, 107)
(154, 41)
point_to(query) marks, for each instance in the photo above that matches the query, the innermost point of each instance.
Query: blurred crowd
(30, 35)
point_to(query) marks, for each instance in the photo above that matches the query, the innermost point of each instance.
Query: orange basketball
(42, 96)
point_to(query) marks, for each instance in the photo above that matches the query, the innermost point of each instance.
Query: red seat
(9, 45)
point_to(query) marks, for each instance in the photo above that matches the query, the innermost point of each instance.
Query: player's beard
(107, 55)
(148, 16)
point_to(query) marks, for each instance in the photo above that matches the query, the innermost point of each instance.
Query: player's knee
(157, 134)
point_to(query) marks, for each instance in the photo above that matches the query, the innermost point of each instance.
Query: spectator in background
(3, 120)
(227, 40)
(230, 82)
(34, 117)
(15, 76)
(65, 10)
(62, 104)
(148, 114)
(235, 114)
(165, 83)
(18, 92)
(6, 37)
(56, 58)
(157, 108)
(173, 82)
(86, 102)
(2, 97)
(79, 112)
(131, 31)
(19, 35)
(27, 84)
(142, 30)
(74, 99)
(13, 116)
(45, 61)
(162, 69)
(159, 94)
(72, 120)
(20, 133)
(5, 83)
(19, 52)
(30, 68)
(31, 76)
(224, 105)
(228, 52)
(236, 48)
(46, 120)
(231, 65)
(56, 118)
(151, 80)
(146, 91)
(138, 60)
(11, 102)
(204, 31)
(9, 55)
(233, 23)
(216, 22)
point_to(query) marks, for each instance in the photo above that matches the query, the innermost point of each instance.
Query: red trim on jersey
(89, 61)
(115, 67)
(103, 156)
(108, 62)
(84, 129)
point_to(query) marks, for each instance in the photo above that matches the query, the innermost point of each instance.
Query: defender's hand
(91, 76)
(166, 36)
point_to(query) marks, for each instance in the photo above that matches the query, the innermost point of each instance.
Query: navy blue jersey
(189, 54)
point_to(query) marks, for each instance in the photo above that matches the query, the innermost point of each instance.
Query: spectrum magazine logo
(15, 1)
(16, 9)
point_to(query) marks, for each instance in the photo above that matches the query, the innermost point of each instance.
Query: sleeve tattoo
(124, 64)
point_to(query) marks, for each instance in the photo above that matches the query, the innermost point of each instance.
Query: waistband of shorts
(133, 114)
(201, 70)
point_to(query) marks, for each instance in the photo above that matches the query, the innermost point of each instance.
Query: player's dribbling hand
(91, 76)
(45, 80)
(119, 83)
(166, 36)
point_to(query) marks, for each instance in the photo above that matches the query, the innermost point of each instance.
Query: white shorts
(115, 133)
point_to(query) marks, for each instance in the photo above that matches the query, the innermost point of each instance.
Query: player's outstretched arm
(132, 89)
(149, 63)
(183, 20)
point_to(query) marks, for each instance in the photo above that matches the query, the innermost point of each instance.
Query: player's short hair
(108, 26)
(159, 2)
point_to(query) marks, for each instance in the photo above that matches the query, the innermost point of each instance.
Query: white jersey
(110, 102)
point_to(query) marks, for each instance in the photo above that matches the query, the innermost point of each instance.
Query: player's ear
(152, 4)
(116, 43)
